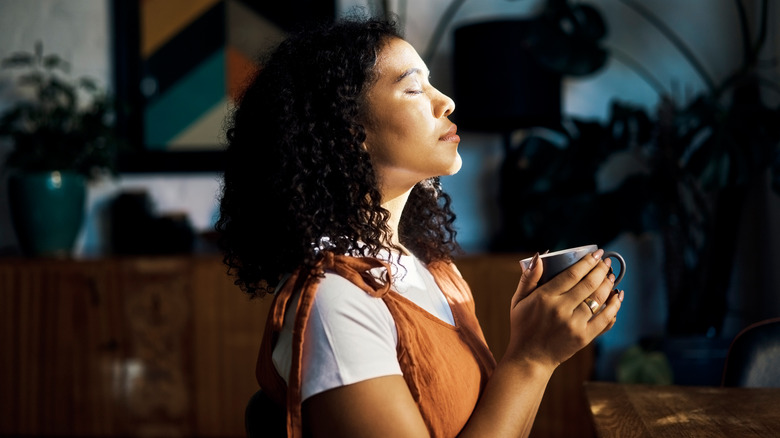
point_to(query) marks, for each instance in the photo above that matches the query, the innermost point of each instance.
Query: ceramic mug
(556, 262)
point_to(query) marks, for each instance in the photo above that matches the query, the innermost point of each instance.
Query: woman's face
(408, 134)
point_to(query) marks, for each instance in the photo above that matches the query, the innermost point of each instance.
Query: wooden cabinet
(133, 347)
(166, 347)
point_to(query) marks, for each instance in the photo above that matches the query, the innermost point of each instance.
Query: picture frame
(179, 65)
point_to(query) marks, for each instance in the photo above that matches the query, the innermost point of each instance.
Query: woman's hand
(552, 322)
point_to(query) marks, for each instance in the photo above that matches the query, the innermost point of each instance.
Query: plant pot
(47, 210)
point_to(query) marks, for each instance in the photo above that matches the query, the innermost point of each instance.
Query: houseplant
(698, 161)
(58, 144)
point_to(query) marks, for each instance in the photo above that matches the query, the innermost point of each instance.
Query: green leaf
(19, 60)
(51, 62)
(34, 79)
(88, 84)
(49, 130)
(637, 365)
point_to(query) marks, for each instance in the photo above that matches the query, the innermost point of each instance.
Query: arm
(548, 324)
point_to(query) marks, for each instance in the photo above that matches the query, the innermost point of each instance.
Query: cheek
(375, 142)
(403, 124)
(384, 140)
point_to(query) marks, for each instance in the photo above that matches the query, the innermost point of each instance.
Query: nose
(443, 106)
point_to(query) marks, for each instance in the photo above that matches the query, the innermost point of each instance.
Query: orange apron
(446, 367)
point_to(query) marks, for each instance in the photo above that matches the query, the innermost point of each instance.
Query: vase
(47, 211)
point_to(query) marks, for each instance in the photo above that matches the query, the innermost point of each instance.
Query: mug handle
(613, 254)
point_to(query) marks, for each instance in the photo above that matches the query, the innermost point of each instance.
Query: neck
(395, 204)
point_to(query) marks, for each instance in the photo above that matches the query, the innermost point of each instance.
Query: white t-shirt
(350, 335)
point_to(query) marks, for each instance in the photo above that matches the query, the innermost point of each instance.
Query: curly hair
(297, 179)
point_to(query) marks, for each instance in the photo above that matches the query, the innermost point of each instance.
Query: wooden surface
(147, 346)
(620, 410)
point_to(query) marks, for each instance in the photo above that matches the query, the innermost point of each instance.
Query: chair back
(753, 359)
(264, 418)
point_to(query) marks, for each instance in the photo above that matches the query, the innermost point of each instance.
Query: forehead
(397, 57)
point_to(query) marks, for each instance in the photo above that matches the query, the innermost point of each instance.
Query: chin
(455, 166)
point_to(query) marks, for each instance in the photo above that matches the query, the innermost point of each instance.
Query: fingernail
(611, 277)
(608, 262)
(620, 296)
(597, 255)
(534, 260)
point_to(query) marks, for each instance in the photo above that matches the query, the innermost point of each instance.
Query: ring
(592, 304)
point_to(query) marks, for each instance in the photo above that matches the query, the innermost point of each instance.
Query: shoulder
(350, 337)
(342, 311)
(337, 295)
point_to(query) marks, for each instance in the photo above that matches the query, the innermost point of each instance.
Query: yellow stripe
(162, 19)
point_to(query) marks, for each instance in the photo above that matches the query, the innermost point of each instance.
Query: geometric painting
(195, 56)
(182, 64)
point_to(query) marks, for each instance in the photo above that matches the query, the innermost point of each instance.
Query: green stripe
(184, 102)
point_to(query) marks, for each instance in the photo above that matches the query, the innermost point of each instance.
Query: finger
(608, 327)
(569, 278)
(595, 302)
(611, 323)
(596, 284)
(528, 280)
(604, 320)
(606, 290)
(591, 305)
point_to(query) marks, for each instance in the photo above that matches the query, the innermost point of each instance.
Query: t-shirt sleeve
(350, 337)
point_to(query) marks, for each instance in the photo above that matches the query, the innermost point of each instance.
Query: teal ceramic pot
(47, 210)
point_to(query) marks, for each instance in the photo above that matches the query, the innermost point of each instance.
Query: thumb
(528, 280)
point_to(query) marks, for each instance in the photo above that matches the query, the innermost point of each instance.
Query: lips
(451, 135)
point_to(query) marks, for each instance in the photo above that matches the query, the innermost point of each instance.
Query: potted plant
(699, 161)
(59, 143)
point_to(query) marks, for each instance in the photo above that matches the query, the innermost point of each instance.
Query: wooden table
(621, 410)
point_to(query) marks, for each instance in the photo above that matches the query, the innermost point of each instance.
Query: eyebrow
(411, 71)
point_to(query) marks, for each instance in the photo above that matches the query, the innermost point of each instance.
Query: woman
(331, 202)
